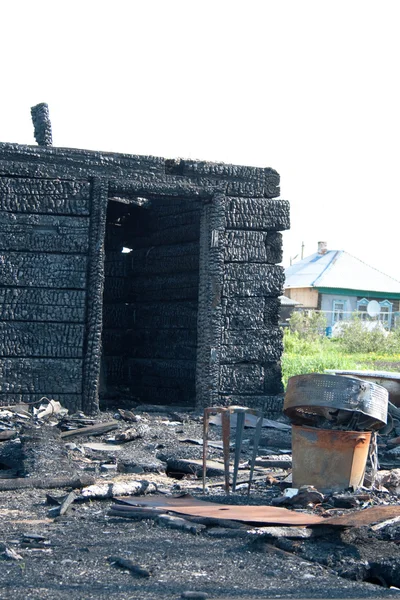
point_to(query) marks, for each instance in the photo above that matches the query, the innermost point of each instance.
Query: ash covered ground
(68, 556)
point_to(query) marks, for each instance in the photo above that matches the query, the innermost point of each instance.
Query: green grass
(315, 356)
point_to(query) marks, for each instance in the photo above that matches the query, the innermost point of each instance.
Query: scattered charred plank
(91, 430)
(34, 540)
(9, 553)
(179, 523)
(77, 482)
(194, 467)
(58, 511)
(55, 500)
(120, 488)
(127, 564)
(8, 474)
(225, 532)
(283, 461)
(7, 435)
(394, 442)
(345, 501)
(135, 512)
(386, 523)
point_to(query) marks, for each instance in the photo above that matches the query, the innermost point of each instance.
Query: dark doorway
(150, 301)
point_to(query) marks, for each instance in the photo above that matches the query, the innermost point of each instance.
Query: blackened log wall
(251, 346)
(205, 250)
(44, 243)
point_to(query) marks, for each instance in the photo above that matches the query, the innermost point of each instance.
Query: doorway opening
(150, 301)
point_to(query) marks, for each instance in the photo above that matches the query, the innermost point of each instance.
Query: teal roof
(339, 269)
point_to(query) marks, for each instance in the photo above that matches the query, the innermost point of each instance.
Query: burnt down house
(156, 276)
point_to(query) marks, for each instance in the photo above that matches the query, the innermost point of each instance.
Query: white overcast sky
(308, 87)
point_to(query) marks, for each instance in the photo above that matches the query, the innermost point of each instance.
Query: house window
(338, 311)
(362, 309)
(385, 316)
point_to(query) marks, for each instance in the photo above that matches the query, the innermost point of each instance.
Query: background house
(340, 284)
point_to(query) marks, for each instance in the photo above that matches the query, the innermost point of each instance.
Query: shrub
(308, 325)
(355, 337)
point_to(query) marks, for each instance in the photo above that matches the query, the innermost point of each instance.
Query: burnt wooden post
(42, 124)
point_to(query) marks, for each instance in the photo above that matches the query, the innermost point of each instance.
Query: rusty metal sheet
(188, 505)
(314, 398)
(368, 516)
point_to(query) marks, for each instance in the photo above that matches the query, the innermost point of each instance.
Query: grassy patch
(315, 355)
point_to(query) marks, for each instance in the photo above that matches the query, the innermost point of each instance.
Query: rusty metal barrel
(329, 459)
(332, 420)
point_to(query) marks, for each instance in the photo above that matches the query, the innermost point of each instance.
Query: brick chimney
(322, 247)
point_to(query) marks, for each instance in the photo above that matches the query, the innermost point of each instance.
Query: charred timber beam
(54, 161)
(253, 246)
(250, 313)
(40, 375)
(24, 304)
(46, 483)
(152, 315)
(98, 429)
(251, 379)
(233, 176)
(54, 340)
(168, 186)
(19, 269)
(48, 196)
(94, 306)
(247, 280)
(257, 214)
(43, 233)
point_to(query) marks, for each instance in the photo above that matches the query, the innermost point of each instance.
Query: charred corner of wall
(251, 340)
(209, 321)
(94, 297)
(44, 225)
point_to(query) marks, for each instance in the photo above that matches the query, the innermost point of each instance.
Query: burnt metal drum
(332, 401)
(387, 379)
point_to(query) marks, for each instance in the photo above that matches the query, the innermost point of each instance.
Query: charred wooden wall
(44, 244)
(192, 310)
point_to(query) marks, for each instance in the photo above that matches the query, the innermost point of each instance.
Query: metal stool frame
(226, 412)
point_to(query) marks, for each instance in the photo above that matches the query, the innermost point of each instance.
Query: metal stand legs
(226, 412)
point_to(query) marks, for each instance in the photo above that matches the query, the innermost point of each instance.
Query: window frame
(335, 311)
